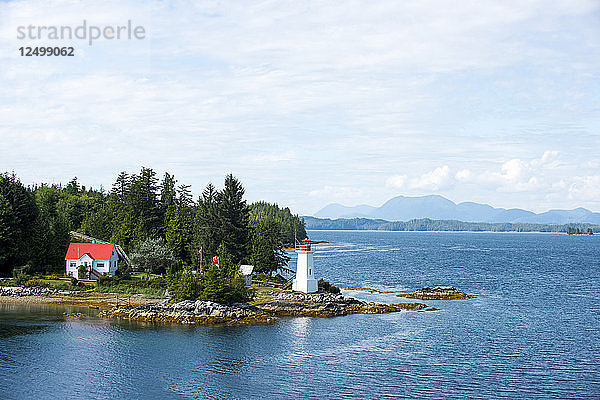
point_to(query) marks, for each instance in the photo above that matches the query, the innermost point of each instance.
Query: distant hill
(404, 208)
(426, 224)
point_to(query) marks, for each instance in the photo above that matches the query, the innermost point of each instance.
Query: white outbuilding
(246, 271)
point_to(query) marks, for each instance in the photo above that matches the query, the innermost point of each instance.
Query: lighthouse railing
(303, 246)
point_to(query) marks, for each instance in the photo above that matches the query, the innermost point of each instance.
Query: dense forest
(426, 224)
(35, 221)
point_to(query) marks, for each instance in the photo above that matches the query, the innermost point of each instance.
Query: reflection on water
(8, 330)
(531, 333)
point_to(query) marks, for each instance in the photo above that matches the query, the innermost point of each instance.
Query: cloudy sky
(313, 102)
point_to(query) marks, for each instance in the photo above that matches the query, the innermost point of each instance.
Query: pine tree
(234, 215)
(207, 229)
(268, 255)
(17, 216)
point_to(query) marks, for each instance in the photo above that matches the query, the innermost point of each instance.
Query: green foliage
(105, 281)
(21, 278)
(325, 286)
(223, 283)
(183, 284)
(233, 213)
(35, 282)
(153, 287)
(22, 274)
(268, 254)
(577, 230)
(152, 256)
(17, 215)
(51, 230)
(291, 226)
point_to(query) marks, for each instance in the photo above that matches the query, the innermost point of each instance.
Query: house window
(310, 271)
(73, 265)
(100, 265)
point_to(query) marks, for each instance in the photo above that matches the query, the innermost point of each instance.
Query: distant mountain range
(403, 208)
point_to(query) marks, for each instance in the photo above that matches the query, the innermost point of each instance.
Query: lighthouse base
(305, 285)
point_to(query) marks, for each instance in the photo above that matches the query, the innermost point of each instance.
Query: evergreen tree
(207, 228)
(234, 215)
(268, 254)
(51, 231)
(223, 282)
(167, 200)
(292, 227)
(17, 215)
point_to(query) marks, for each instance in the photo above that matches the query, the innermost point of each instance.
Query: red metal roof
(98, 251)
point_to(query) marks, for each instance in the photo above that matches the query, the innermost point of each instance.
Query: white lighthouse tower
(305, 281)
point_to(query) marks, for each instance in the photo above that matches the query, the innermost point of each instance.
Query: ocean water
(533, 332)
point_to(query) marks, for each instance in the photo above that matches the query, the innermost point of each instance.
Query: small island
(437, 293)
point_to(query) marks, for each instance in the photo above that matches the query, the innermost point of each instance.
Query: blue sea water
(533, 332)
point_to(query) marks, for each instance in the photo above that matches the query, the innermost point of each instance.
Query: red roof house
(97, 259)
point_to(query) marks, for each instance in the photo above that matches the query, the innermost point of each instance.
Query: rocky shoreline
(279, 305)
(265, 310)
(437, 293)
(46, 295)
(19, 291)
(329, 305)
(192, 312)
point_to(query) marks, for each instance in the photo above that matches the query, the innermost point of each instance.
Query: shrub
(105, 281)
(223, 283)
(325, 286)
(21, 278)
(183, 285)
(35, 282)
(123, 273)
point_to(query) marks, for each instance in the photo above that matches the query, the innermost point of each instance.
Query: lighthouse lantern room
(305, 281)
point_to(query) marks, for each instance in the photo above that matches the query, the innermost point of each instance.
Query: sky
(314, 102)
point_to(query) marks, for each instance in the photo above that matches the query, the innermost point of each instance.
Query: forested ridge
(426, 224)
(35, 221)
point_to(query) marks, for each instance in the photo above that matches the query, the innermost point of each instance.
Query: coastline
(267, 310)
(95, 302)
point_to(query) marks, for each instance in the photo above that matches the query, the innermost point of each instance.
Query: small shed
(246, 271)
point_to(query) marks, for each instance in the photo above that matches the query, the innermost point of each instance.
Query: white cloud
(395, 181)
(437, 179)
(517, 175)
(340, 93)
(585, 188)
(464, 175)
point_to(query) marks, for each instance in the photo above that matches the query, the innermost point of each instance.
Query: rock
(328, 305)
(26, 291)
(193, 312)
(437, 293)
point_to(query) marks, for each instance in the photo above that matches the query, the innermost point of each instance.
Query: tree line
(35, 221)
(426, 224)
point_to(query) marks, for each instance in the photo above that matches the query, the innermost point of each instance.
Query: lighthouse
(305, 281)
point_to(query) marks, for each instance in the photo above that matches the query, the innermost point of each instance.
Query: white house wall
(109, 268)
